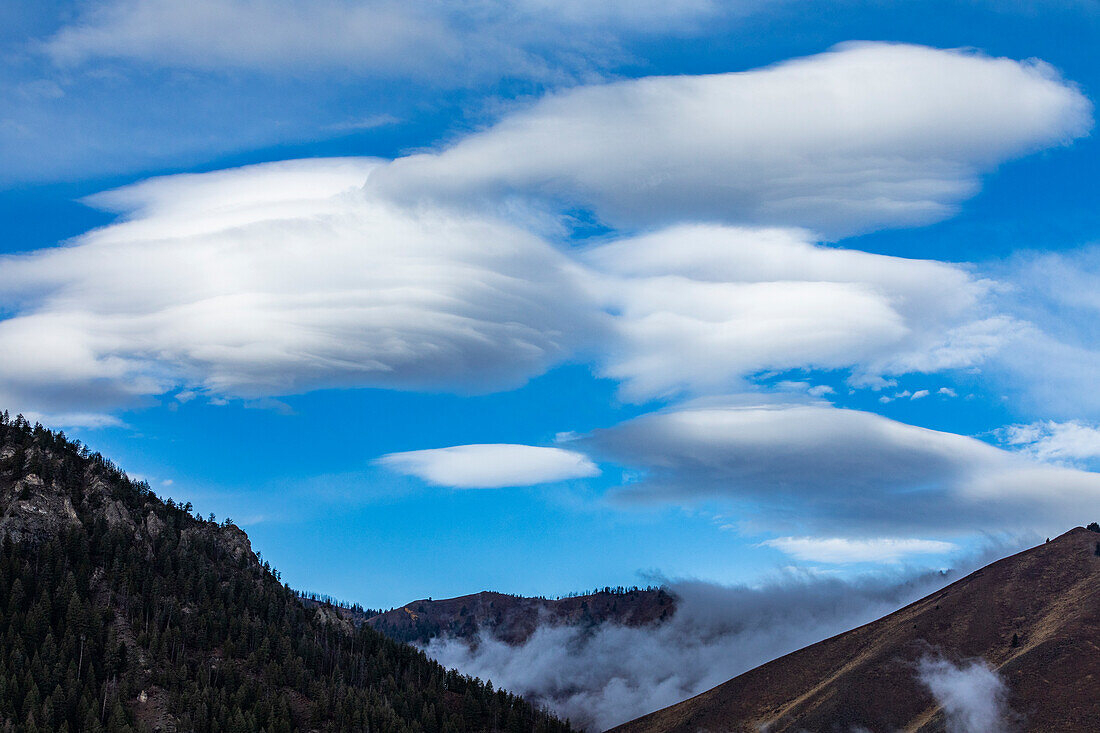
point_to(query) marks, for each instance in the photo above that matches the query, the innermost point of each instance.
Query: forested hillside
(513, 618)
(123, 612)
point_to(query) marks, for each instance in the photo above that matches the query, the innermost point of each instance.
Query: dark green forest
(123, 612)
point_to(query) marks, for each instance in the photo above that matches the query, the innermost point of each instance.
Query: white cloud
(1055, 442)
(139, 85)
(701, 307)
(492, 465)
(846, 550)
(812, 467)
(973, 696)
(444, 42)
(899, 136)
(285, 277)
(266, 34)
(90, 420)
(276, 279)
(600, 677)
(1052, 365)
(919, 394)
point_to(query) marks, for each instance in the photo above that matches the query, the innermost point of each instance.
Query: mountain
(123, 612)
(514, 618)
(1034, 617)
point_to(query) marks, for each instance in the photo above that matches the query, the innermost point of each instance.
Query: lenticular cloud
(864, 136)
(699, 306)
(489, 466)
(837, 467)
(436, 272)
(278, 279)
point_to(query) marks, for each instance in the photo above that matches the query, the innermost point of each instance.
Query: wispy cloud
(600, 677)
(1072, 442)
(447, 43)
(972, 695)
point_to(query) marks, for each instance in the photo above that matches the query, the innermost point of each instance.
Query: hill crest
(1033, 616)
(123, 612)
(513, 619)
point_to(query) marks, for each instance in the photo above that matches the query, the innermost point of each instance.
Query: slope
(1034, 616)
(122, 612)
(514, 618)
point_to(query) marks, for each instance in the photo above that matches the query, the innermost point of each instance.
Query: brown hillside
(1049, 596)
(514, 618)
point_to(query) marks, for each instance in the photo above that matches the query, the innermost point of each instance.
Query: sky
(536, 297)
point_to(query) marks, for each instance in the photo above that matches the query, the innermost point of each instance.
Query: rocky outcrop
(32, 509)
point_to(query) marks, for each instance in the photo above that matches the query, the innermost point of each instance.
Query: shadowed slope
(514, 618)
(1047, 597)
(122, 612)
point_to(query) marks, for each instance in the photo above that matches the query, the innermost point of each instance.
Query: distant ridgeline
(123, 612)
(513, 619)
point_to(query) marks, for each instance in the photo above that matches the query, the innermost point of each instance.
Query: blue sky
(837, 311)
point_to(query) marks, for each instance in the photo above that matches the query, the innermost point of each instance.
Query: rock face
(514, 618)
(31, 509)
(1033, 617)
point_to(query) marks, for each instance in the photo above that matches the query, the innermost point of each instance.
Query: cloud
(845, 550)
(1052, 364)
(276, 279)
(699, 308)
(491, 466)
(90, 420)
(900, 135)
(286, 277)
(1069, 442)
(600, 677)
(118, 86)
(810, 467)
(973, 696)
(446, 43)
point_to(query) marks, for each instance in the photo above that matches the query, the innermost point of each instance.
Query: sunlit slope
(1035, 616)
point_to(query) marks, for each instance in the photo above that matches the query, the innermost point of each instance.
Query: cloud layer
(451, 272)
(490, 466)
(1053, 365)
(447, 43)
(701, 307)
(277, 279)
(285, 277)
(600, 677)
(864, 136)
(813, 467)
(845, 550)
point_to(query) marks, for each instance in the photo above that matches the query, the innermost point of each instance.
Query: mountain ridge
(120, 611)
(513, 618)
(1034, 616)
